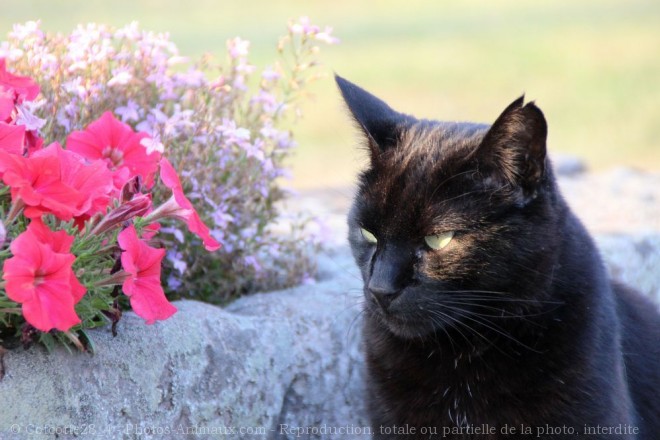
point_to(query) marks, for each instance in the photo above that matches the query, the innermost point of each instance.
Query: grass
(592, 66)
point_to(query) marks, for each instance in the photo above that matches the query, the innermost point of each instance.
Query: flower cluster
(78, 223)
(221, 121)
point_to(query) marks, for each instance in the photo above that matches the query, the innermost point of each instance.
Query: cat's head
(453, 223)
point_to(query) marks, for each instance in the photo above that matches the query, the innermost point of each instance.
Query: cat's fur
(515, 324)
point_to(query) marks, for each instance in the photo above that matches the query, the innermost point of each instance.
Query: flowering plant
(78, 223)
(221, 122)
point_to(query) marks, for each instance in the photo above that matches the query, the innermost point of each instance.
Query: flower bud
(131, 188)
(3, 233)
(138, 206)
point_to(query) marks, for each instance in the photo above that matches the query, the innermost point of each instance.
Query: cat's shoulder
(640, 332)
(638, 313)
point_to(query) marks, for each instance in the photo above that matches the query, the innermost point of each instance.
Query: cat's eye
(371, 238)
(439, 241)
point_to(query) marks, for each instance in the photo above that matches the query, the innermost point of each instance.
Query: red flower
(7, 105)
(12, 138)
(119, 146)
(24, 88)
(40, 277)
(143, 263)
(150, 231)
(33, 142)
(179, 206)
(59, 241)
(57, 181)
(90, 179)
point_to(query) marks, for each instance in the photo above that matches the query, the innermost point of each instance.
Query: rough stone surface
(623, 200)
(286, 358)
(633, 260)
(271, 362)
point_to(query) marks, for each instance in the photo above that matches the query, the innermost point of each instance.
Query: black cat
(488, 311)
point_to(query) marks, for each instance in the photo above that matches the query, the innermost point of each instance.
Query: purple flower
(303, 26)
(176, 258)
(76, 87)
(28, 31)
(326, 36)
(251, 261)
(26, 115)
(130, 112)
(270, 75)
(192, 78)
(120, 77)
(238, 48)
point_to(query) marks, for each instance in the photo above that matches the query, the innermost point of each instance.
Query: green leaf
(48, 341)
(88, 341)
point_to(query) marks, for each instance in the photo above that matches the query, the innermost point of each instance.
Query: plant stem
(114, 279)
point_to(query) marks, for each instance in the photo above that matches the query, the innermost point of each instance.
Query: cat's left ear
(379, 122)
(513, 152)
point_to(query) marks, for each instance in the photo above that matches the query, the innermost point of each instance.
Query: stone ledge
(282, 358)
(289, 357)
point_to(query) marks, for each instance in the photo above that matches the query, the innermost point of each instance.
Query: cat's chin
(402, 326)
(409, 329)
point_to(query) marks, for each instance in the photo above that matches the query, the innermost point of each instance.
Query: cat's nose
(383, 294)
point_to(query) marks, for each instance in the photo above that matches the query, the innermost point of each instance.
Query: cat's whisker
(511, 300)
(453, 176)
(494, 292)
(466, 314)
(490, 343)
(353, 321)
(465, 194)
(550, 277)
(440, 323)
(505, 314)
(468, 301)
(442, 316)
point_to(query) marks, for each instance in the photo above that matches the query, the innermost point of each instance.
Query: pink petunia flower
(33, 142)
(56, 181)
(180, 207)
(12, 138)
(23, 87)
(119, 146)
(40, 277)
(143, 264)
(7, 105)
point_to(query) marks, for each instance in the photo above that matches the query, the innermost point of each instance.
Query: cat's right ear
(513, 151)
(376, 119)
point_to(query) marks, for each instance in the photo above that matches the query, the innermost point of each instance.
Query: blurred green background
(593, 66)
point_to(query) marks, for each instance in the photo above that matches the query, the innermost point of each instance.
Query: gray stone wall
(269, 364)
